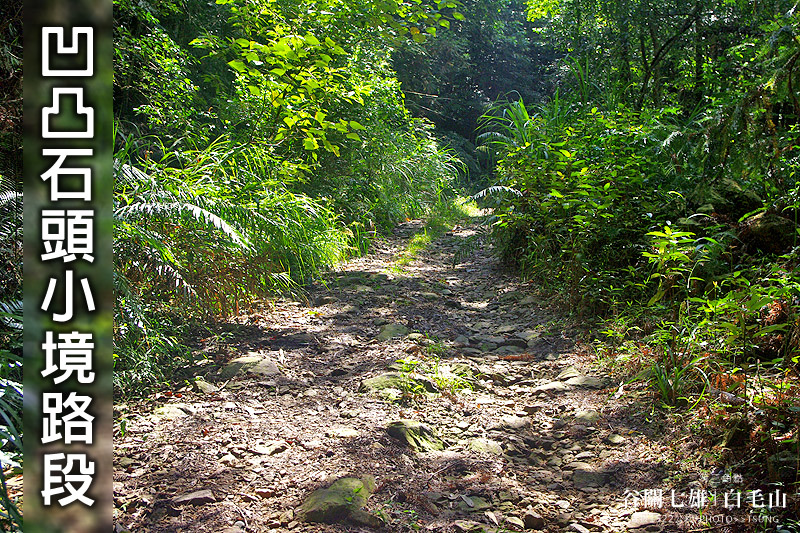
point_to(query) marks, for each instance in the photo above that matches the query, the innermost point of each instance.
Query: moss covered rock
(342, 502)
(416, 435)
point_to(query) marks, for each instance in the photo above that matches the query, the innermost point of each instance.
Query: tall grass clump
(204, 233)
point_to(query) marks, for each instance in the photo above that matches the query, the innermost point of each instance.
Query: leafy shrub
(586, 183)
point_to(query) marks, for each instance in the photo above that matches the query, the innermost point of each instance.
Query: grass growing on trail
(443, 216)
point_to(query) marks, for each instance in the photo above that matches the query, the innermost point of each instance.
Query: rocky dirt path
(434, 396)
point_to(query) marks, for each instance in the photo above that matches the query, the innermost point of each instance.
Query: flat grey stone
(514, 523)
(782, 466)
(198, 497)
(644, 520)
(568, 373)
(171, 411)
(482, 445)
(508, 350)
(514, 422)
(587, 382)
(516, 342)
(528, 335)
(204, 387)
(390, 331)
(587, 417)
(553, 386)
(250, 364)
(577, 527)
(473, 504)
(588, 476)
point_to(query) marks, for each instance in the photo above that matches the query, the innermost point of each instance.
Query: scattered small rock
(533, 520)
(272, 447)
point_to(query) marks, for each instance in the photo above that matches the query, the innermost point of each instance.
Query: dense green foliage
(258, 143)
(643, 160)
(490, 53)
(600, 171)
(10, 256)
(656, 191)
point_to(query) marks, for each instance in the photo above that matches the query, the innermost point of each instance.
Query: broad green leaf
(238, 65)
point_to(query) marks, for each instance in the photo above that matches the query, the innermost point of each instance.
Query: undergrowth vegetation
(644, 165)
(668, 214)
(255, 149)
(10, 265)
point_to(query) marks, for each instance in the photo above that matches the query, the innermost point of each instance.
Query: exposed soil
(535, 436)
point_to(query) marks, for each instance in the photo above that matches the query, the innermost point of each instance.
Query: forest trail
(519, 430)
